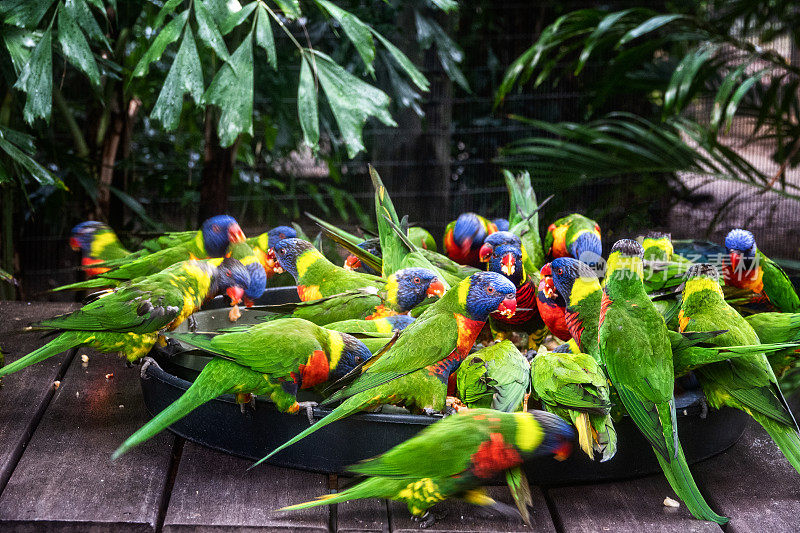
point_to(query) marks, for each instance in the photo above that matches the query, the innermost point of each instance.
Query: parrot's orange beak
(735, 258)
(73, 243)
(235, 293)
(485, 252)
(435, 289)
(549, 288)
(508, 307)
(272, 264)
(508, 264)
(235, 234)
(563, 451)
(352, 262)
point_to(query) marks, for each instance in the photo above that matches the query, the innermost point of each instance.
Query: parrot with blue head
(464, 237)
(263, 245)
(501, 224)
(97, 243)
(574, 236)
(551, 305)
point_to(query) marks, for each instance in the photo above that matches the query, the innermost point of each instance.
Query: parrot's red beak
(272, 262)
(485, 252)
(735, 258)
(73, 243)
(235, 234)
(546, 270)
(248, 302)
(508, 264)
(563, 451)
(235, 293)
(508, 307)
(435, 289)
(352, 262)
(549, 288)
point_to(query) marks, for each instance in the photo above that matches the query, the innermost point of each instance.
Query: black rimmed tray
(221, 425)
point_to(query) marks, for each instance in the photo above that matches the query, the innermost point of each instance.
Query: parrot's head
(258, 282)
(741, 245)
(486, 292)
(231, 279)
(501, 223)
(468, 232)
(288, 251)
(83, 235)
(557, 435)
(503, 253)
(626, 258)
(278, 233)
(409, 287)
(573, 279)
(587, 247)
(657, 246)
(399, 322)
(219, 232)
(352, 262)
(700, 277)
(354, 352)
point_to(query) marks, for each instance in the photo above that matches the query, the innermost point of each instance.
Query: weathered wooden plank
(215, 492)
(361, 515)
(631, 505)
(466, 518)
(753, 484)
(66, 478)
(25, 394)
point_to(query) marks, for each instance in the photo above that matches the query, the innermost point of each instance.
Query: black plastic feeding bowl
(220, 423)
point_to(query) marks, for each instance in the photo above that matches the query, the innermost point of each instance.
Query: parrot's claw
(425, 521)
(146, 362)
(309, 407)
(191, 323)
(428, 411)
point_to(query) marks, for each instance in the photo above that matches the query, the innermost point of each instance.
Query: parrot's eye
(228, 273)
(559, 271)
(215, 228)
(509, 296)
(417, 281)
(490, 290)
(494, 255)
(358, 359)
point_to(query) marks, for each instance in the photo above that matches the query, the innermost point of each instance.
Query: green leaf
(24, 13)
(405, 63)
(18, 43)
(185, 76)
(34, 169)
(167, 9)
(290, 8)
(351, 100)
(135, 206)
(683, 78)
(651, 24)
(232, 91)
(36, 80)
(450, 55)
(602, 30)
(75, 47)
(359, 33)
(264, 37)
(207, 30)
(81, 14)
(235, 18)
(730, 109)
(724, 92)
(307, 104)
(167, 36)
(447, 6)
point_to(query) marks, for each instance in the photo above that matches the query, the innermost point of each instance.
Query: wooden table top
(56, 471)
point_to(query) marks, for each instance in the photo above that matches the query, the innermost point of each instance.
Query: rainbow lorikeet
(574, 387)
(97, 243)
(663, 268)
(427, 468)
(402, 291)
(212, 240)
(496, 377)
(264, 246)
(130, 318)
(504, 254)
(416, 370)
(352, 262)
(275, 359)
(464, 237)
(574, 236)
(750, 269)
(501, 224)
(776, 328)
(385, 325)
(638, 358)
(551, 305)
(523, 216)
(258, 276)
(317, 277)
(746, 383)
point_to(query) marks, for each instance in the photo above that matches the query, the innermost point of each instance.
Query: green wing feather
(778, 287)
(524, 216)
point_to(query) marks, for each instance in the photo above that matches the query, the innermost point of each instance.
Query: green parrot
(273, 359)
(574, 236)
(212, 240)
(574, 387)
(636, 351)
(385, 326)
(663, 268)
(415, 371)
(496, 377)
(316, 277)
(402, 292)
(427, 468)
(130, 318)
(523, 219)
(746, 383)
(750, 269)
(422, 238)
(775, 328)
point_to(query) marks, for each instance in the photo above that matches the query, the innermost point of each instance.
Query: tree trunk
(215, 180)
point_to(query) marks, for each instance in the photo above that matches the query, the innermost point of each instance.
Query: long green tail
(785, 438)
(682, 482)
(94, 283)
(214, 380)
(348, 407)
(689, 358)
(62, 343)
(374, 487)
